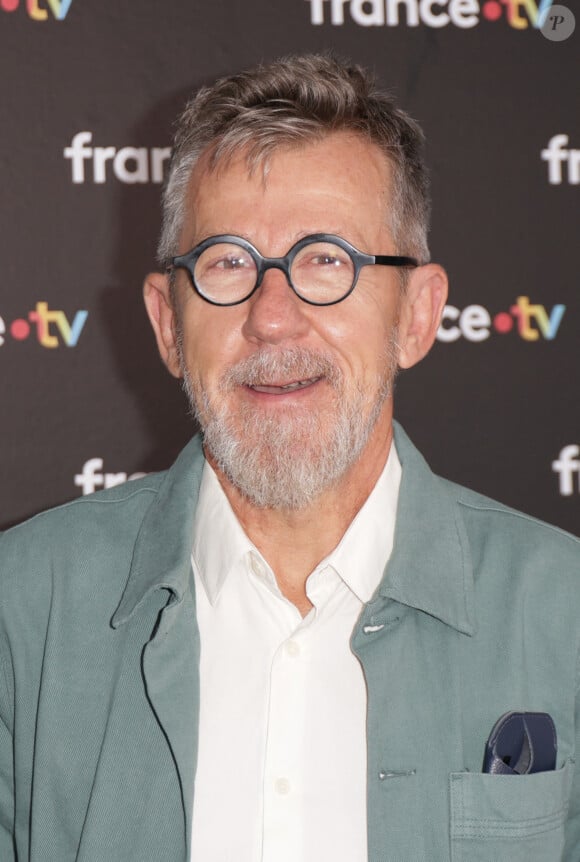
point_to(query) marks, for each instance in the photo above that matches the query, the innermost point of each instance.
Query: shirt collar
(430, 567)
(362, 553)
(219, 542)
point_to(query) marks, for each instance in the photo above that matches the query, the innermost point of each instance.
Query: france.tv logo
(39, 10)
(519, 14)
(531, 321)
(51, 327)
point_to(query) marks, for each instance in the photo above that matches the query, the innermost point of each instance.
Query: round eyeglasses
(321, 269)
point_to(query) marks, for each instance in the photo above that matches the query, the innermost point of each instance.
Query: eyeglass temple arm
(395, 260)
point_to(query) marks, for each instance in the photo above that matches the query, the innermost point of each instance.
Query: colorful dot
(9, 5)
(491, 10)
(19, 329)
(503, 322)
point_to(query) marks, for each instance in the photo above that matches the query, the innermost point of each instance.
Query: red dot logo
(19, 329)
(491, 10)
(9, 5)
(503, 322)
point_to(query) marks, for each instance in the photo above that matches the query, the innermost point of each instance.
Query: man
(294, 644)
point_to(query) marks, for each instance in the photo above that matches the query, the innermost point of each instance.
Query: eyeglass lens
(321, 272)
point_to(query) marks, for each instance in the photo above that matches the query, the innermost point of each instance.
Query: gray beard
(287, 460)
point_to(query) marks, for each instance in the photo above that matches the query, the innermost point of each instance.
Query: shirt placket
(284, 768)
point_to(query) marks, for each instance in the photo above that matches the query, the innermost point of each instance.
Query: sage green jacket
(478, 614)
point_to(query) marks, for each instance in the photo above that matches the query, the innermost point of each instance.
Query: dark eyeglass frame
(359, 259)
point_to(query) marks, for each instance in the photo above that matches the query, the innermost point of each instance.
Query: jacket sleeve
(572, 851)
(7, 851)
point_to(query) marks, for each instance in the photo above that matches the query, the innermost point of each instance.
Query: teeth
(289, 387)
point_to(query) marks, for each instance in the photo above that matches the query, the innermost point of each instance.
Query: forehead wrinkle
(210, 166)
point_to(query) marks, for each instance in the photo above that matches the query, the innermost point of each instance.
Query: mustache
(269, 366)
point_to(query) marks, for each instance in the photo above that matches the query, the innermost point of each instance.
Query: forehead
(338, 184)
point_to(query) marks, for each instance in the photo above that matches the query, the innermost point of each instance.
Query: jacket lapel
(162, 562)
(430, 568)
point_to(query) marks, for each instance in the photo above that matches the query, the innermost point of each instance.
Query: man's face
(289, 395)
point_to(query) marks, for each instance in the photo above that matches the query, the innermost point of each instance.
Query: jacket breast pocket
(520, 818)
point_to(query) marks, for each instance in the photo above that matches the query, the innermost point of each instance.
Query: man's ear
(159, 305)
(421, 310)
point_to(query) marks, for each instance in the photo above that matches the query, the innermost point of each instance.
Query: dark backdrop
(496, 410)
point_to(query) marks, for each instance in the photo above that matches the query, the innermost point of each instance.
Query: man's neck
(294, 541)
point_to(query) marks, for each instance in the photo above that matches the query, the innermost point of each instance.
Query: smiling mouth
(287, 387)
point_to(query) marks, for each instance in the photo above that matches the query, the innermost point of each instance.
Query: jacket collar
(162, 553)
(430, 566)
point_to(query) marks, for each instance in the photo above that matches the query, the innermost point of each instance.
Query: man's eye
(231, 263)
(326, 260)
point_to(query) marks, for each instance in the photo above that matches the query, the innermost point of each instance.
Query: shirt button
(258, 566)
(292, 648)
(282, 786)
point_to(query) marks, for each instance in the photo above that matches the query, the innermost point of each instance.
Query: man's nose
(275, 313)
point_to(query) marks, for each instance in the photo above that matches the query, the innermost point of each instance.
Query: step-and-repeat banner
(89, 94)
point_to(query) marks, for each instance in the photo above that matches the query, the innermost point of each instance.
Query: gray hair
(298, 99)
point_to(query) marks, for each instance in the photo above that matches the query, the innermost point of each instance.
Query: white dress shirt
(281, 772)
